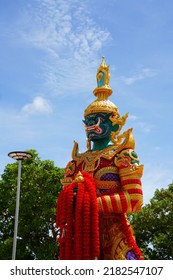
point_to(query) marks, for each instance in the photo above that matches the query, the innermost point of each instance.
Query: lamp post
(19, 156)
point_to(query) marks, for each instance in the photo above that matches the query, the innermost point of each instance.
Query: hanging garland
(95, 245)
(86, 226)
(69, 224)
(78, 222)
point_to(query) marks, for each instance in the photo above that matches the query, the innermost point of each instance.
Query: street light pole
(19, 156)
(17, 210)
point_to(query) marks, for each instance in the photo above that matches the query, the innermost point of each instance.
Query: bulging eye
(92, 121)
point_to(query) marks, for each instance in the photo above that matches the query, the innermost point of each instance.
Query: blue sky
(49, 54)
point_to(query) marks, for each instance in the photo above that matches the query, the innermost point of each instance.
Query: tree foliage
(153, 226)
(40, 186)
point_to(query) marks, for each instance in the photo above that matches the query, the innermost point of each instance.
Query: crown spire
(103, 64)
(103, 90)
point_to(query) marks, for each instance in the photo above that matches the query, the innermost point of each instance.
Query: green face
(98, 126)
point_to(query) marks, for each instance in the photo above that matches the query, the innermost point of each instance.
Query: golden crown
(102, 92)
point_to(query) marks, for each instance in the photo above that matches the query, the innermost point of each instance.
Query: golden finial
(103, 64)
(102, 92)
(103, 75)
(79, 178)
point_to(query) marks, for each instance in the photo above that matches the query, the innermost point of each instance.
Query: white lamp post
(19, 156)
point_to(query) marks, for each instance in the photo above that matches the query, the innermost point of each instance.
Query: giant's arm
(129, 198)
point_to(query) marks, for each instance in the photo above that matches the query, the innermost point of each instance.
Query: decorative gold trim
(118, 120)
(131, 186)
(70, 168)
(109, 204)
(133, 172)
(118, 201)
(100, 205)
(90, 167)
(101, 105)
(104, 170)
(107, 184)
(66, 181)
(122, 250)
(88, 144)
(138, 205)
(79, 178)
(128, 202)
(90, 157)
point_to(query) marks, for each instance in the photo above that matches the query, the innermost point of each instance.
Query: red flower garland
(86, 227)
(79, 223)
(95, 243)
(70, 225)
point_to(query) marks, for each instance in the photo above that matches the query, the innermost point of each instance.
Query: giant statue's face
(98, 126)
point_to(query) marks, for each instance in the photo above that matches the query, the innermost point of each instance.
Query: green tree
(37, 232)
(153, 226)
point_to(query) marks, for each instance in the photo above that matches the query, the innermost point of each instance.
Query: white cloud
(38, 106)
(71, 40)
(132, 117)
(141, 75)
(63, 25)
